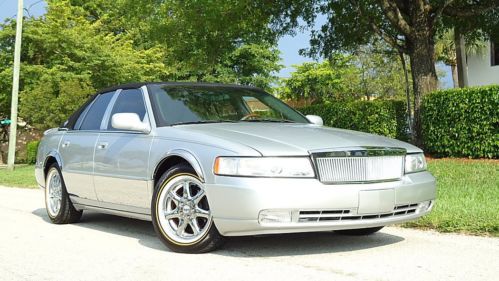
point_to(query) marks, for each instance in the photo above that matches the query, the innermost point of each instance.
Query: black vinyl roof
(192, 84)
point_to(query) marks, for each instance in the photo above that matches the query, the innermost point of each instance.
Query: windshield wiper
(268, 120)
(202, 122)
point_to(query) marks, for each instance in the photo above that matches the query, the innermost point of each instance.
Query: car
(205, 161)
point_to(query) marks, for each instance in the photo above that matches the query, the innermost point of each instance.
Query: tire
(183, 221)
(360, 231)
(59, 208)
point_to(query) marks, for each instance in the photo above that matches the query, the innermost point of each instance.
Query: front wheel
(360, 231)
(181, 214)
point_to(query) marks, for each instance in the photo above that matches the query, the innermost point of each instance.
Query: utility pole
(15, 87)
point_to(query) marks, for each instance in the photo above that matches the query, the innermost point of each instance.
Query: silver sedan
(204, 161)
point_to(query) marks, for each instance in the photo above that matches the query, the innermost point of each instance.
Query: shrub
(382, 117)
(31, 150)
(462, 122)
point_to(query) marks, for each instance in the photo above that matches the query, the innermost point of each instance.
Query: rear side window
(128, 101)
(94, 115)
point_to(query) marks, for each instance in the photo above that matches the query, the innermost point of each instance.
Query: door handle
(66, 144)
(102, 145)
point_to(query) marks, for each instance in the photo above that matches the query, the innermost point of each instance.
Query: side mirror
(317, 120)
(129, 122)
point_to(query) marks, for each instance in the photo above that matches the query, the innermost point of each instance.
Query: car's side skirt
(112, 209)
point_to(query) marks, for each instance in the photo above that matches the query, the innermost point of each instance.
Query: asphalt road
(104, 247)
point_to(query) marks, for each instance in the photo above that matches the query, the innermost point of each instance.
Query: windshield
(193, 104)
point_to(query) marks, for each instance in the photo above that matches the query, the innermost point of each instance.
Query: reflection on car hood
(278, 139)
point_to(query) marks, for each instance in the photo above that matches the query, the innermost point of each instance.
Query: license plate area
(376, 201)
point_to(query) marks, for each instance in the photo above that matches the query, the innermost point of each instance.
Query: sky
(288, 45)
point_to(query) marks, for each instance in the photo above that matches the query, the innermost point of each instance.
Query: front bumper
(237, 202)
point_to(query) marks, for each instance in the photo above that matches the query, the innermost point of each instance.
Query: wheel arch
(176, 157)
(51, 158)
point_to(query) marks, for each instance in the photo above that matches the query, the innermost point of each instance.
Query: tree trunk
(407, 94)
(455, 80)
(424, 75)
(462, 73)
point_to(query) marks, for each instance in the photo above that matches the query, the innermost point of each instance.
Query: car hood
(279, 139)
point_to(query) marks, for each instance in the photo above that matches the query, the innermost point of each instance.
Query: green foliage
(31, 150)
(462, 122)
(213, 41)
(387, 118)
(380, 72)
(319, 82)
(251, 64)
(78, 47)
(66, 58)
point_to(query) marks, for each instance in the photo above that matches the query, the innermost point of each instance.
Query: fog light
(424, 206)
(274, 216)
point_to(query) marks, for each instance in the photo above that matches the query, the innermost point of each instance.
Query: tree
(79, 46)
(66, 58)
(214, 41)
(381, 74)
(313, 82)
(409, 26)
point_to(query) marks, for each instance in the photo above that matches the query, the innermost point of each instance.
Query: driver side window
(128, 101)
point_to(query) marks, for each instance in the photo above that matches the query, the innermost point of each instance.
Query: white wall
(480, 71)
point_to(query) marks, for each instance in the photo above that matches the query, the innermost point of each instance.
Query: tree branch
(471, 10)
(394, 15)
(388, 39)
(436, 12)
(378, 30)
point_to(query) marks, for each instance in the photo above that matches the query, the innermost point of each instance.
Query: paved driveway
(104, 247)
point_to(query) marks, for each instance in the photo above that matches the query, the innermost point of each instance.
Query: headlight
(415, 163)
(286, 167)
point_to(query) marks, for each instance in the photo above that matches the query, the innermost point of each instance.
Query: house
(483, 67)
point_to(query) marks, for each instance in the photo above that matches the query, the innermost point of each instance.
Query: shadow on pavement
(248, 246)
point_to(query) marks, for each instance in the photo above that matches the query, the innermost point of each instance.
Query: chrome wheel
(183, 211)
(53, 192)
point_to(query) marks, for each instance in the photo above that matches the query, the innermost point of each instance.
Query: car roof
(191, 84)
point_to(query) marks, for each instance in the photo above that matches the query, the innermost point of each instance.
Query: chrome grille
(359, 169)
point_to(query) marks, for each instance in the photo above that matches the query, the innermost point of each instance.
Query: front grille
(346, 215)
(359, 165)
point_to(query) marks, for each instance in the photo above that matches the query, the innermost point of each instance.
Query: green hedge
(462, 122)
(31, 150)
(382, 117)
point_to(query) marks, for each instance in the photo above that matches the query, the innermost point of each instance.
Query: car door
(121, 157)
(77, 149)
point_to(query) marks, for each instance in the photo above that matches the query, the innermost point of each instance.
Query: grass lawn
(23, 176)
(467, 200)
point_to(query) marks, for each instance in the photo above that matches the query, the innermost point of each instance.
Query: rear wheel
(360, 231)
(181, 214)
(59, 207)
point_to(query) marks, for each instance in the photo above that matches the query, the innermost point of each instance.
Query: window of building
(494, 52)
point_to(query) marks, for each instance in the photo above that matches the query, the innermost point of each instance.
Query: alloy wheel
(183, 211)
